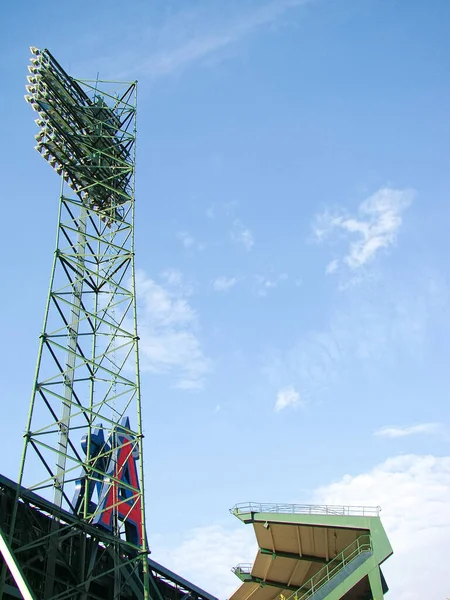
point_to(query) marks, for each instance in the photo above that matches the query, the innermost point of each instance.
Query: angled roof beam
(279, 554)
(14, 568)
(248, 578)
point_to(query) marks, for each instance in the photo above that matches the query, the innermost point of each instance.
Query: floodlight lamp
(29, 99)
(31, 89)
(32, 79)
(40, 122)
(35, 50)
(35, 106)
(39, 147)
(35, 61)
(32, 69)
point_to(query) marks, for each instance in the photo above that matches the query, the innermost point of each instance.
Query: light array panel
(84, 135)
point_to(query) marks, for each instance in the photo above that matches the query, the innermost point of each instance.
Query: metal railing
(331, 569)
(306, 509)
(242, 569)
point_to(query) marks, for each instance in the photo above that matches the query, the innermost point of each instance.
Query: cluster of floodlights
(77, 135)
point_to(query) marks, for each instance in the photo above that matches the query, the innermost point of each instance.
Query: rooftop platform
(313, 552)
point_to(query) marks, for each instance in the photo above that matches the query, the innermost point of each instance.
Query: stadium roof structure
(27, 565)
(308, 552)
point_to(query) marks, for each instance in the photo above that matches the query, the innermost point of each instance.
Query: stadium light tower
(83, 439)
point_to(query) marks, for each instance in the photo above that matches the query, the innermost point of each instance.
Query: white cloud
(206, 555)
(258, 284)
(263, 283)
(396, 432)
(178, 283)
(200, 47)
(223, 284)
(375, 228)
(172, 277)
(186, 239)
(332, 267)
(377, 326)
(242, 235)
(414, 493)
(168, 333)
(287, 396)
(230, 207)
(189, 241)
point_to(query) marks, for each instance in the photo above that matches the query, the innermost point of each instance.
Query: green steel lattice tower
(84, 422)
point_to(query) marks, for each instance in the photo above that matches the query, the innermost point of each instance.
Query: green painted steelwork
(243, 572)
(359, 561)
(305, 509)
(14, 567)
(276, 553)
(31, 535)
(381, 545)
(361, 545)
(87, 373)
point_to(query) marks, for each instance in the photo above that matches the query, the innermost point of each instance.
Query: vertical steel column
(69, 376)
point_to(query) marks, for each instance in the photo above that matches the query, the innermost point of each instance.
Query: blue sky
(292, 243)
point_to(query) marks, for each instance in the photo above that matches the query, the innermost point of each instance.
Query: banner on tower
(116, 484)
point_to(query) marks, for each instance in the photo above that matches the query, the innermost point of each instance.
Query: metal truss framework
(77, 539)
(84, 432)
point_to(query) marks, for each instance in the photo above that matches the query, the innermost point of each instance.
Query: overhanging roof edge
(178, 579)
(338, 521)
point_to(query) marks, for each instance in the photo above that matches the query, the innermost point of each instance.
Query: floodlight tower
(83, 439)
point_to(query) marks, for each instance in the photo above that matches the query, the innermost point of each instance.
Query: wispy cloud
(185, 238)
(223, 284)
(374, 228)
(242, 235)
(397, 432)
(332, 267)
(287, 396)
(177, 283)
(189, 241)
(168, 332)
(375, 326)
(263, 283)
(259, 285)
(200, 47)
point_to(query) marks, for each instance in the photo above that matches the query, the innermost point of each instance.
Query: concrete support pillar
(376, 587)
